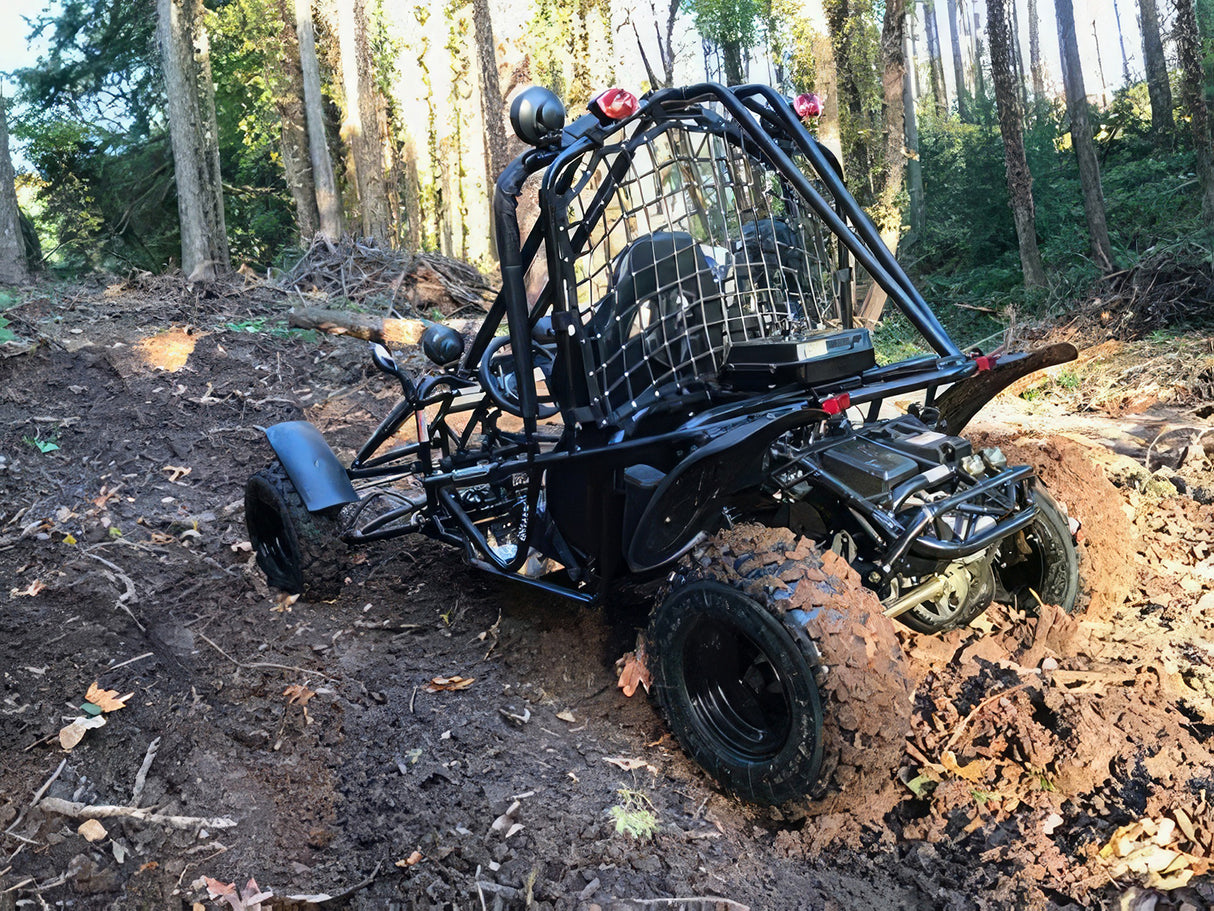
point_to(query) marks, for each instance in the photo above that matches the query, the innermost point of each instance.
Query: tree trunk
(185, 52)
(1036, 66)
(829, 125)
(887, 213)
(497, 152)
(979, 73)
(1188, 43)
(1081, 137)
(328, 202)
(958, 63)
(935, 62)
(286, 81)
(1018, 53)
(731, 56)
(914, 167)
(361, 124)
(893, 66)
(1157, 69)
(1011, 126)
(1125, 58)
(13, 269)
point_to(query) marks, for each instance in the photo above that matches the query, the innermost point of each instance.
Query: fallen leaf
(92, 830)
(972, 771)
(34, 588)
(176, 472)
(443, 684)
(70, 735)
(566, 716)
(298, 694)
(629, 765)
(409, 861)
(283, 602)
(107, 700)
(634, 671)
(242, 547)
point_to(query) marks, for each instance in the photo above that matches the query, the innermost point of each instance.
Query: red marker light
(837, 404)
(984, 362)
(807, 105)
(614, 104)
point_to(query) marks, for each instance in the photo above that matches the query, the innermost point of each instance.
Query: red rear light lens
(614, 104)
(836, 404)
(985, 362)
(807, 105)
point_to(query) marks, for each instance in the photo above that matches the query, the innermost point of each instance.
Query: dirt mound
(1107, 539)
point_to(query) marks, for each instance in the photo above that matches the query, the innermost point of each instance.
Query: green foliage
(968, 253)
(559, 37)
(634, 815)
(856, 41)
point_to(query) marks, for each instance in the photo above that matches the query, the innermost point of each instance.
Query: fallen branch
(37, 796)
(251, 665)
(84, 811)
(393, 333)
(141, 776)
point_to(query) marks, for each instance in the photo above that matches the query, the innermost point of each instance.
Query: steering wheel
(499, 381)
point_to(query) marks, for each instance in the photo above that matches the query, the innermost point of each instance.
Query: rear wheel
(299, 551)
(1041, 561)
(776, 670)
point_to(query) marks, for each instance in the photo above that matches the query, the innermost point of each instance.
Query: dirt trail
(1037, 743)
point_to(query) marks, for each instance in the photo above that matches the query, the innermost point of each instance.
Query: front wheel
(776, 669)
(1040, 564)
(299, 551)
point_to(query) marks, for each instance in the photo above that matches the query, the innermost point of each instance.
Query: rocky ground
(298, 755)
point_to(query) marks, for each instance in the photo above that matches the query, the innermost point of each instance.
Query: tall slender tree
(361, 121)
(935, 61)
(285, 80)
(917, 210)
(1011, 126)
(1188, 43)
(185, 55)
(328, 202)
(958, 62)
(1036, 64)
(13, 269)
(1125, 57)
(1081, 137)
(1158, 87)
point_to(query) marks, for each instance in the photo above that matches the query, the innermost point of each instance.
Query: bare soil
(1039, 743)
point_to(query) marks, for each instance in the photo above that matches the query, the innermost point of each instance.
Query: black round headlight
(536, 114)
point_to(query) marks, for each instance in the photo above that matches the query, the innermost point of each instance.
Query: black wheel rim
(1026, 571)
(737, 696)
(276, 551)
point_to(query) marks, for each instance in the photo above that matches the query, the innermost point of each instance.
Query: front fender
(311, 465)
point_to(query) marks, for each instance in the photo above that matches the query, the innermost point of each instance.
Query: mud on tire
(776, 669)
(299, 551)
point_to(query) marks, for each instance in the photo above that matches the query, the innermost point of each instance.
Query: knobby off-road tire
(299, 551)
(1042, 558)
(776, 669)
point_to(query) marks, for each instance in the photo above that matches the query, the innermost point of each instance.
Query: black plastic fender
(311, 465)
(688, 500)
(963, 400)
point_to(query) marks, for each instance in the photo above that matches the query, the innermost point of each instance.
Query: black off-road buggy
(669, 389)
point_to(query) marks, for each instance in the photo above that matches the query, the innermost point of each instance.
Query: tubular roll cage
(444, 460)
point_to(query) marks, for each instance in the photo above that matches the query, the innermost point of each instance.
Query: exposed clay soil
(1036, 740)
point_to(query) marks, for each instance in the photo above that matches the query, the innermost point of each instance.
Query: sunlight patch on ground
(168, 350)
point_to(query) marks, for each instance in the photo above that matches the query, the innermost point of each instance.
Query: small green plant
(634, 815)
(6, 334)
(43, 446)
(1068, 380)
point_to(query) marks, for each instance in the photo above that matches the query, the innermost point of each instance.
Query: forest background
(1010, 157)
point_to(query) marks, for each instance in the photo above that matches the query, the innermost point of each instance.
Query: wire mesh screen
(684, 245)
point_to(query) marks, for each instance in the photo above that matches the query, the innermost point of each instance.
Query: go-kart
(670, 391)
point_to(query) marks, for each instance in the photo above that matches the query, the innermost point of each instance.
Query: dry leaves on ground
(445, 684)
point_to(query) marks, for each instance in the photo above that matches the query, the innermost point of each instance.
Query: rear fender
(688, 500)
(311, 465)
(963, 400)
